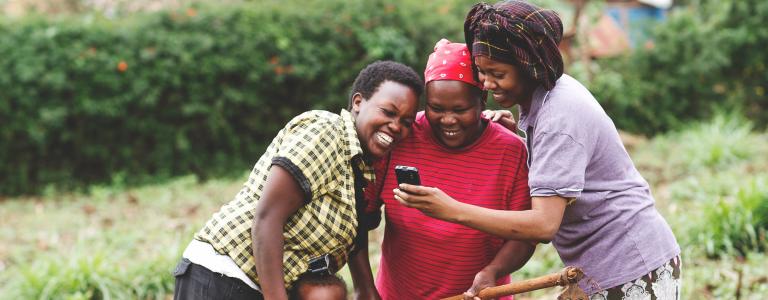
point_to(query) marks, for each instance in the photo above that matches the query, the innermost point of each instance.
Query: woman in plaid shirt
(301, 216)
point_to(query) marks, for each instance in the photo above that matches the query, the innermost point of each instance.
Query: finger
(508, 123)
(402, 194)
(467, 296)
(414, 189)
(497, 116)
(403, 202)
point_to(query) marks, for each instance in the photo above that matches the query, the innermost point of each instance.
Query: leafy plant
(736, 225)
(89, 100)
(707, 57)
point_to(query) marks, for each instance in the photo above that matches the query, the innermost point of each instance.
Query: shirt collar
(355, 150)
(528, 117)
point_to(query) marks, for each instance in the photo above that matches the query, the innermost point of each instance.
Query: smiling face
(505, 81)
(453, 111)
(385, 118)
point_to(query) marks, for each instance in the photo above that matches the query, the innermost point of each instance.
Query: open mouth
(450, 133)
(384, 139)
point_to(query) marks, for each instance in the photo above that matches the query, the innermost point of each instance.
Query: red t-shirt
(426, 258)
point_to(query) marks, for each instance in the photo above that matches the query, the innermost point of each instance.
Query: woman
(587, 196)
(472, 159)
(297, 212)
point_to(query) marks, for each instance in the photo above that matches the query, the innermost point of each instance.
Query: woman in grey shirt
(587, 196)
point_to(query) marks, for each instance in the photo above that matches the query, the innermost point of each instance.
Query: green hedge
(707, 57)
(89, 100)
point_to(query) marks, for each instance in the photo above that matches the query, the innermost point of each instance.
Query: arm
(510, 258)
(541, 223)
(281, 198)
(360, 269)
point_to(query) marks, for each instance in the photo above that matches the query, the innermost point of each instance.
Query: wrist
(493, 271)
(461, 215)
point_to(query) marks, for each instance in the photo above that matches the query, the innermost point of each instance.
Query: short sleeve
(558, 165)
(309, 152)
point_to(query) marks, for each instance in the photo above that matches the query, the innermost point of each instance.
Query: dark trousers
(197, 282)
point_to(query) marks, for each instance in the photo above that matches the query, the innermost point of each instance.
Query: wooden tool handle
(567, 275)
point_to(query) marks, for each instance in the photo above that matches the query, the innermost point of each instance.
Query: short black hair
(311, 279)
(373, 75)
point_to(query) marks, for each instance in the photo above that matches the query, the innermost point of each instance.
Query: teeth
(450, 133)
(384, 139)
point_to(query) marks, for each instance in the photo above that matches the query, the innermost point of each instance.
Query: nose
(448, 119)
(488, 84)
(396, 125)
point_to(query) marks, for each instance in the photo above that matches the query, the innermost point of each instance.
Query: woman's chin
(506, 103)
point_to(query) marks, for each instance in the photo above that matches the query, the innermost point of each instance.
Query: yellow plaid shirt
(318, 148)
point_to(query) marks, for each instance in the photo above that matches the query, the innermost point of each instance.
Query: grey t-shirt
(612, 229)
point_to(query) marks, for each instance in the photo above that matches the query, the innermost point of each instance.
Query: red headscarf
(450, 61)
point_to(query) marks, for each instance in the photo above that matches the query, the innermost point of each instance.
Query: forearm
(268, 253)
(540, 223)
(511, 257)
(518, 225)
(360, 269)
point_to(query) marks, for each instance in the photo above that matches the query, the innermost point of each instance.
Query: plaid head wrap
(517, 33)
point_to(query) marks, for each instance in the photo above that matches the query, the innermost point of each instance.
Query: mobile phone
(407, 174)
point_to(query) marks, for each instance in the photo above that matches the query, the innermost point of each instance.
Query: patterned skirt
(662, 284)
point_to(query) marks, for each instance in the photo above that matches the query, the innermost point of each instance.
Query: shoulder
(569, 108)
(316, 122)
(502, 142)
(501, 134)
(314, 129)
(315, 118)
(420, 123)
(568, 96)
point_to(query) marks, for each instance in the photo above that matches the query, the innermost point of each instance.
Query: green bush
(707, 57)
(738, 225)
(202, 90)
(94, 273)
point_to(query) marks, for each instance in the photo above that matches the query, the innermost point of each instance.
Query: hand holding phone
(407, 174)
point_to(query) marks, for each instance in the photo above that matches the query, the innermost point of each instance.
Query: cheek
(470, 119)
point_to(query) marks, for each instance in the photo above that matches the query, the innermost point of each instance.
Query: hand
(483, 279)
(430, 201)
(503, 117)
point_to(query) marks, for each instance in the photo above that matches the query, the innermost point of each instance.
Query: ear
(357, 99)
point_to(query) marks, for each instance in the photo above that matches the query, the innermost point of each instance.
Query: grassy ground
(121, 243)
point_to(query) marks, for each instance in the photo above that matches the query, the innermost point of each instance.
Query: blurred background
(125, 124)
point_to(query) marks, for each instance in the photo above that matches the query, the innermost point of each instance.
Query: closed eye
(461, 110)
(388, 112)
(436, 109)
